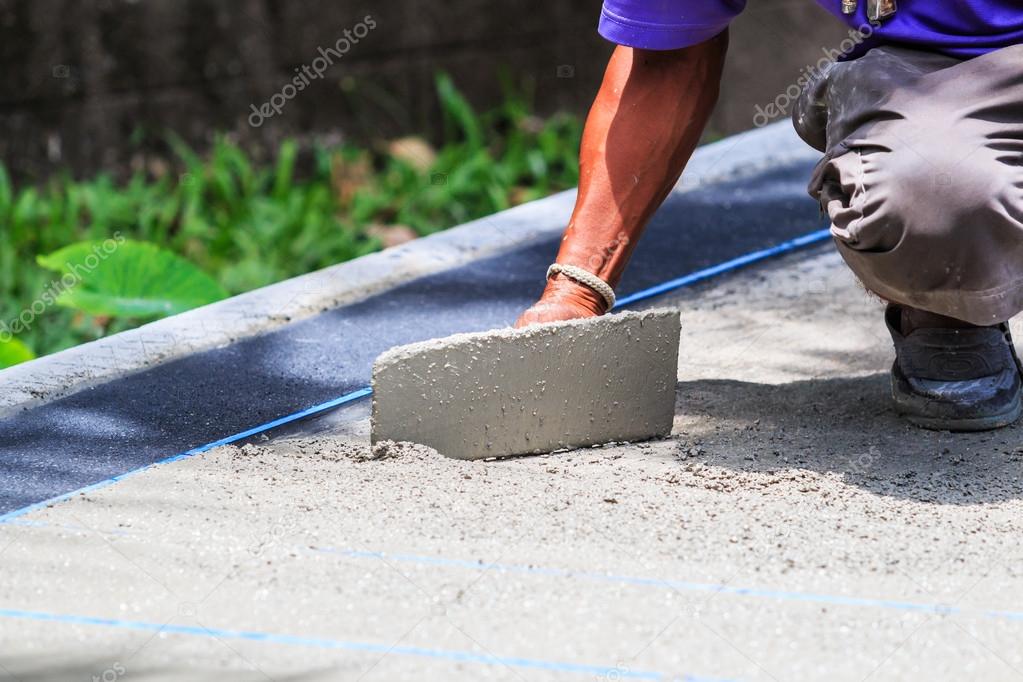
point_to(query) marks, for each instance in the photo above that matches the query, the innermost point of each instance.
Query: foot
(952, 376)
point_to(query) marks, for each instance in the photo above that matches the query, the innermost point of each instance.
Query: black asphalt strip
(127, 423)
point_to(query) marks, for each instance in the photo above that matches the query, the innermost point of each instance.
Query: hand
(563, 299)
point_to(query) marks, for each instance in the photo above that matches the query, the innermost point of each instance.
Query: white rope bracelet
(587, 278)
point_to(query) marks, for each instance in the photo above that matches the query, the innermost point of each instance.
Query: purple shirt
(961, 28)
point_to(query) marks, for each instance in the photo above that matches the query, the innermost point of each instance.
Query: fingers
(534, 315)
(552, 312)
(525, 319)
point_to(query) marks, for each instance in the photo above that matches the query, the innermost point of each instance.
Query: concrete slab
(538, 389)
(792, 528)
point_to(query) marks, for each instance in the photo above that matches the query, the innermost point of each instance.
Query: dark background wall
(82, 81)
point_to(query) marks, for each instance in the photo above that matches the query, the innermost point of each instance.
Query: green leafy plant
(250, 223)
(13, 352)
(130, 279)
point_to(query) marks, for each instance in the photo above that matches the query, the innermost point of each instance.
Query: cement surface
(118, 426)
(792, 528)
(533, 390)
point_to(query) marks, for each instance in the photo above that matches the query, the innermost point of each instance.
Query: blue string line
(789, 246)
(729, 265)
(681, 585)
(350, 645)
(315, 409)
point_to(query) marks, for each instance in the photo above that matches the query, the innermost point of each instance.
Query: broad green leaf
(13, 352)
(129, 279)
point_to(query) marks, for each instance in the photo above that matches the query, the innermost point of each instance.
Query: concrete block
(538, 389)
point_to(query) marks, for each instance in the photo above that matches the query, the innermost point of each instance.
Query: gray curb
(262, 310)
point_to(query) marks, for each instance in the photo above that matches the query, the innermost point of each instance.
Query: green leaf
(285, 169)
(458, 111)
(129, 279)
(6, 191)
(13, 352)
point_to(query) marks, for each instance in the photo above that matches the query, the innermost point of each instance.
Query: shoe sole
(989, 423)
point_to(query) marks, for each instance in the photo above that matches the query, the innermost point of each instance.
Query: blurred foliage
(13, 352)
(248, 225)
(130, 279)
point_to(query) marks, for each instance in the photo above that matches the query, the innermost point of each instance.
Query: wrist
(587, 279)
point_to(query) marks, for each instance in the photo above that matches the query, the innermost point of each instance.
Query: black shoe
(955, 379)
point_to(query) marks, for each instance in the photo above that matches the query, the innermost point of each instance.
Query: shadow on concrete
(847, 426)
(120, 667)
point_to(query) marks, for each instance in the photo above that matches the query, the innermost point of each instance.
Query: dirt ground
(791, 528)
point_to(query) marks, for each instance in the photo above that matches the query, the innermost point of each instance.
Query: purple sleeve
(665, 24)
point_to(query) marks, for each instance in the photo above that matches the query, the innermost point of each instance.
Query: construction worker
(921, 125)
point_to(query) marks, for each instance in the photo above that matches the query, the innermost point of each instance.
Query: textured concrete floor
(791, 529)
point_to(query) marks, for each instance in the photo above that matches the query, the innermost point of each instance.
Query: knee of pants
(944, 195)
(939, 228)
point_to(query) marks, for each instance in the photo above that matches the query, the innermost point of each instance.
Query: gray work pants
(922, 176)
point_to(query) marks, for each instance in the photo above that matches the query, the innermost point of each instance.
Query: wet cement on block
(532, 390)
